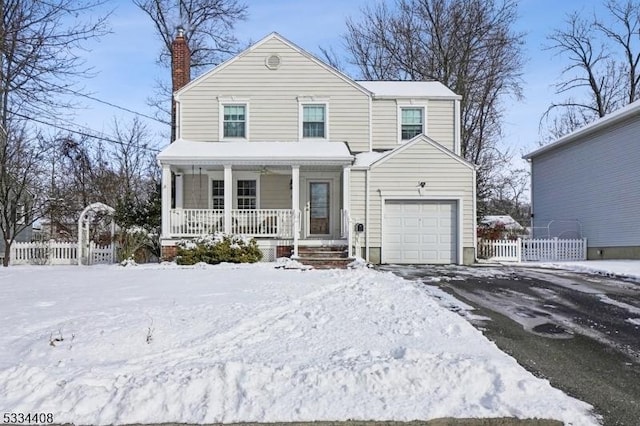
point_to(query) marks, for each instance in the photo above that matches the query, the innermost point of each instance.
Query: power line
(78, 132)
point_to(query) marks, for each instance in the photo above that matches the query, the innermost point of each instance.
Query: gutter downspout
(366, 215)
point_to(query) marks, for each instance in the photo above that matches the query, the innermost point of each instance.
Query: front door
(319, 208)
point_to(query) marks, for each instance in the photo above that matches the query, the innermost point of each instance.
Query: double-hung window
(314, 120)
(412, 122)
(247, 194)
(235, 121)
(217, 194)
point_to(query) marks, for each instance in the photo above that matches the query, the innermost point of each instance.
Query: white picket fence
(546, 250)
(58, 253)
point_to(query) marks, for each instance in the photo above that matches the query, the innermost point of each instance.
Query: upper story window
(247, 194)
(235, 121)
(412, 122)
(217, 194)
(313, 121)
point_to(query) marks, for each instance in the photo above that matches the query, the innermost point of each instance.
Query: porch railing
(256, 223)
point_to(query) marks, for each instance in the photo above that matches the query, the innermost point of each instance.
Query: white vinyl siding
(441, 122)
(444, 177)
(274, 98)
(593, 184)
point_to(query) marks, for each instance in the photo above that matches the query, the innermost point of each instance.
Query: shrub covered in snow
(218, 248)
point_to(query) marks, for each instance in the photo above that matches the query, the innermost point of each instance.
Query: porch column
(346, 207)
(228, 198)
(166, 200)
(295, 206)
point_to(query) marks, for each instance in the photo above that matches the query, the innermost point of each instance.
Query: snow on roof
(183, 151)
(365, 159)
(508, 222)
(408, 89)
(609, 119)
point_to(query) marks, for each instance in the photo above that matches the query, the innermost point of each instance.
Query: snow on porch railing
(519, 250)
(193, 222)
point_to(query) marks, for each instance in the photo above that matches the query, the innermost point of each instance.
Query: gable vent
(273, 62)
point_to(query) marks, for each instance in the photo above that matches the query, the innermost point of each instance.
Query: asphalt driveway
(579, 331)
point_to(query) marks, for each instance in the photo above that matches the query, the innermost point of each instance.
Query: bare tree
(468, 45)
(22, 198)
(603, 72)
(39, 67)
(208, 26)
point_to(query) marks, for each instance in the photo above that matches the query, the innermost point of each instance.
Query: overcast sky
(126, 67)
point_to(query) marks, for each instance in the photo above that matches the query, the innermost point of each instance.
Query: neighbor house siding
(357, 193)
(444, 177)
(592, 185)
(272, 97)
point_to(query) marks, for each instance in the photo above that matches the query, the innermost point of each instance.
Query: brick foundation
(284, 251)
(169, 253)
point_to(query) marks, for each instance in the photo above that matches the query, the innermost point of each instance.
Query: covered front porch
(289, 192)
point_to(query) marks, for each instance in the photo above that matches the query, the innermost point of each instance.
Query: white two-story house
(278, 145)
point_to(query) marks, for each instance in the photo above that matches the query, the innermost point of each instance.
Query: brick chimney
(180, 72)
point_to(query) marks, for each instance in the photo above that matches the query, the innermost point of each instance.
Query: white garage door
(420, 232)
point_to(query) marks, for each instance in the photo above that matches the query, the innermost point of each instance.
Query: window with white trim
(247, 194)
(412, 122)
(313, 121)
(235, 121)
(217, 194)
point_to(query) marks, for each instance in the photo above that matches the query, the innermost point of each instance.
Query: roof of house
(273, 153)
(508, 222)
(608, 120)
(408, 89)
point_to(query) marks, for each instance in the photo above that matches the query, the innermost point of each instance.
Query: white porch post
(228, 198)
(179, 190)
(166, 200)
(346, 206)
(295, 205)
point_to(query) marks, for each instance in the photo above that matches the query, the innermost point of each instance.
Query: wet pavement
(580, 331)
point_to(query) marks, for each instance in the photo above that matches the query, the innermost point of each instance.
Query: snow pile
(245, 343)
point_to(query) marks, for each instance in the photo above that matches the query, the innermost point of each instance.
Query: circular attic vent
(273, 62)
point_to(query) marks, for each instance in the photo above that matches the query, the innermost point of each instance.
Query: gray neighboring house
(587, 184)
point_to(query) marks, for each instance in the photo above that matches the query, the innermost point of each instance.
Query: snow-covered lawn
(230, 343)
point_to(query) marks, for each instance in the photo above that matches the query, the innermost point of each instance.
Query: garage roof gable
(377, 161)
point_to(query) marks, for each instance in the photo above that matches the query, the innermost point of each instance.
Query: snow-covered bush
(218, 248)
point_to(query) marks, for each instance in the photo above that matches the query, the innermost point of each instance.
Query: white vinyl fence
(58, 253)
(547, 250)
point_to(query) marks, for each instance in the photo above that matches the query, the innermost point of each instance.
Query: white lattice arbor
(92, 214)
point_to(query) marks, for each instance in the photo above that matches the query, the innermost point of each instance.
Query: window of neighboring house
(247, 194)
(313, 121)
(217, 194)
(412, 122)
(235, 121)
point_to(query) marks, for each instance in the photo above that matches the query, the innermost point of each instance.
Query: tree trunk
(7, 253)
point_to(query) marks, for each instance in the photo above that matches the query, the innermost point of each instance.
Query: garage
(419, 231)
